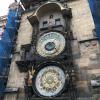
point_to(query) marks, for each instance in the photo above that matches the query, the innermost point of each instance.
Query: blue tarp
(95, 9)
(6, 44)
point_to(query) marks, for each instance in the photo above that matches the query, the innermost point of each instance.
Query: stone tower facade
(56, 38)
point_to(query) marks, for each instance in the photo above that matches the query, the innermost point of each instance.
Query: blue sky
(4, 4)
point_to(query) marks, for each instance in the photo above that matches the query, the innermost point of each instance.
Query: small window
(44, 23)
(51, 16)
(57, 21)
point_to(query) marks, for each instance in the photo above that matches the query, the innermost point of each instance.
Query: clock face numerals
(50, 44)
(50, 81)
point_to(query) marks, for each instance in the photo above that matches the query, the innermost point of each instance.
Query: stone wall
(82, 22)
(82, 26)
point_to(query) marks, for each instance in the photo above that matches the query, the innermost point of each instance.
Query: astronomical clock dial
(50, 44)
(50, 81)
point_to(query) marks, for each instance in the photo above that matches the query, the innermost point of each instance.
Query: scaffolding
(95, 9)
(6, 46)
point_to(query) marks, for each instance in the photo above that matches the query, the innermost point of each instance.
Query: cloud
(4, 4)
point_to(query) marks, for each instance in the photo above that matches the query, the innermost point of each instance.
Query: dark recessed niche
(45, 23)
(57, 21)
(51, 16)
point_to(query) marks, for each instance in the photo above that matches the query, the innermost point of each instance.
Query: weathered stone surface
(83, 89)
(10, 97)
(82, 26)
(24, 32)
(82, 22)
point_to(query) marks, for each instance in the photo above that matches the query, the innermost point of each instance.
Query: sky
(4, 4)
